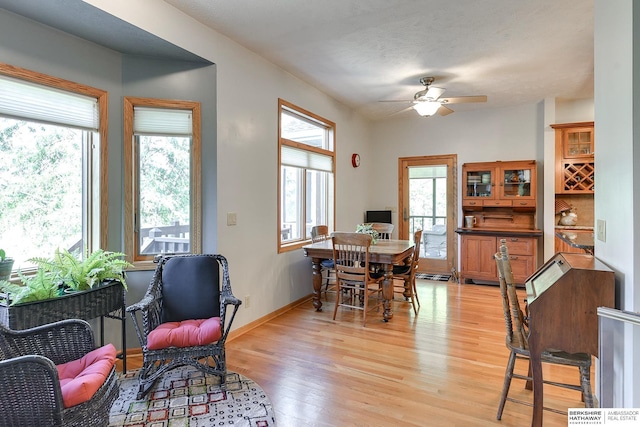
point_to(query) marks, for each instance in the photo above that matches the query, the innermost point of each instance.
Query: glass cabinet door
(578, 142)
(479, 183)
(516, 182)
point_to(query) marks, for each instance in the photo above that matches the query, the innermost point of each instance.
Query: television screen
(378, 216)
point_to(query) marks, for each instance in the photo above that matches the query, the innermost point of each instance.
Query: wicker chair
(185, 289)
(30, 391)
(407, 274)
(517, 342)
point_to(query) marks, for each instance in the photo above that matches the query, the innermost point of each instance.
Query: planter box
(79, 305)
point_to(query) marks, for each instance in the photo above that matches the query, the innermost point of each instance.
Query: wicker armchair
(30, 391)
(185, 291)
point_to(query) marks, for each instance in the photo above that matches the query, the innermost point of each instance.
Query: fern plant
(40, 286)
(67, 270)
(83, 274)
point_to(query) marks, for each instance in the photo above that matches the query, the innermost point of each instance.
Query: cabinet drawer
(520, 245)
(498, 203)
(523, 203)
(472, 202)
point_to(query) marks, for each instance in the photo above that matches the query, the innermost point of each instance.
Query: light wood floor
(443, 367)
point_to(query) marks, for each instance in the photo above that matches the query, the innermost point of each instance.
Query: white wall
(617, 120)
(475, 136)
(248, 89)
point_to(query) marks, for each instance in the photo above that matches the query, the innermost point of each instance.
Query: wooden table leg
(317, 283)
(387, 291)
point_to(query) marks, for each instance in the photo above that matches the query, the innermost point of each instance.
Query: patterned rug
(437, 277)
(187, 397)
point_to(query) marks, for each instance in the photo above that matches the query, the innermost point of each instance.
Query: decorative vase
(6, 266)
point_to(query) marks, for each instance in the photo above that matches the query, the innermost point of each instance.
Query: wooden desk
(564, 296)
(384, 252)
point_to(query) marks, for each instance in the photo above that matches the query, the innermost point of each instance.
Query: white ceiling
(361, 52)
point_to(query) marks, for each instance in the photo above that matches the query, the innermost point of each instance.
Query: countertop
(577, 240)
(573, 227)
(524, 232)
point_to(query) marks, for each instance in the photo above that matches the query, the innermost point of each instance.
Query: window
(52, 165)
(162, 178)
(306, 185)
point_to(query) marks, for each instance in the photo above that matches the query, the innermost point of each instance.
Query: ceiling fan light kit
(426, 108)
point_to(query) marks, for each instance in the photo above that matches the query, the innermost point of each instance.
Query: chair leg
(415, 291)
(585, 383)
(529, 383)
(339, 294)
(508, 375)
(365, 294)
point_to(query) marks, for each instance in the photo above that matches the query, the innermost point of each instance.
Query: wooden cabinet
(499, 184)
(501, 198)
(575, 148)
(478, 250)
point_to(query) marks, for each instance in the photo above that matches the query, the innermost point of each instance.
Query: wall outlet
(246, 301)
(601, 230)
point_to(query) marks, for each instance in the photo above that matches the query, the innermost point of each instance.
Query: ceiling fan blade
(443, 111)
(396, 100)
(463, 99)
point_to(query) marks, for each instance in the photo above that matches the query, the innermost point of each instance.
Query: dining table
(385, 253)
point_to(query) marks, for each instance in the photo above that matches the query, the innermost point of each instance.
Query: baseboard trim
(264, 319)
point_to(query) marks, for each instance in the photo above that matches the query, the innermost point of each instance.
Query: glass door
(427, 203)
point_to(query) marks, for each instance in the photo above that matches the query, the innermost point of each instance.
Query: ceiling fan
(427, 102)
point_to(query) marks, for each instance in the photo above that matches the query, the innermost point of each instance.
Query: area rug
(437, 277)
(187, 397)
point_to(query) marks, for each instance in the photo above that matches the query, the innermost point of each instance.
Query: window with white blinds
(306, 184)
(21, 99)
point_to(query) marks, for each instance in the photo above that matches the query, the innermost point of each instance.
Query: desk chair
(355, 282)
(320, 233)
(407, 274)
(517, 325)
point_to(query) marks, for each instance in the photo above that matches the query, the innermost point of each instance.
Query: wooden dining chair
(320, 233)
(384, 230)
(517, 327)
(356, 284)
(404, 276)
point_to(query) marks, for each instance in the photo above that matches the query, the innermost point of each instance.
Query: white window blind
(162, 121)
(306, 159)
(20, 99)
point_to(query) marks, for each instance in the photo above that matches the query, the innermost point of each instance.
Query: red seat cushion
(80, 379)
(187, 333)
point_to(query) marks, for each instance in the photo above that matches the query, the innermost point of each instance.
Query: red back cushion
(80, 379)
(187, 333)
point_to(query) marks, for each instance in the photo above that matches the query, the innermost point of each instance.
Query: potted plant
(83, 274)
(6, 265)
(368, 229)
(40, 298)
(66, 272)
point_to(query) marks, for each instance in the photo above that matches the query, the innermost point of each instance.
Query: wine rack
(578, 177)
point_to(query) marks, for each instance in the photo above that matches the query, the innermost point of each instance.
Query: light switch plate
(601, 230)
(231, 218)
